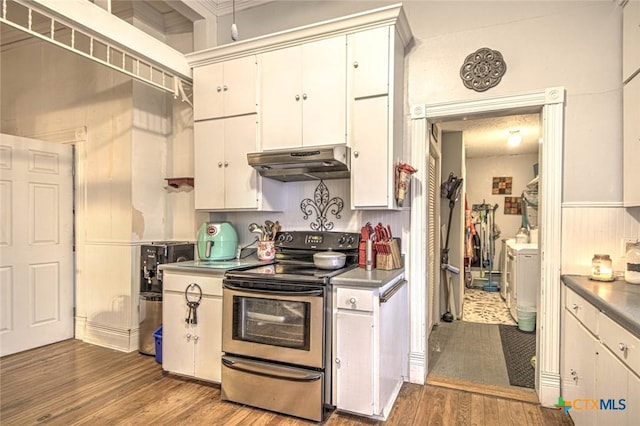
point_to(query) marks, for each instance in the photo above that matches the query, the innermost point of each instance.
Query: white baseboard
(119, 339)
(549, 390)
(417, 368)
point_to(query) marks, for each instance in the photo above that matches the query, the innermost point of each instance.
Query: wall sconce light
(601, 268)
(514, 138)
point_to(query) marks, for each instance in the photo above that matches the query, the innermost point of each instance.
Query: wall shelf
(176, 182)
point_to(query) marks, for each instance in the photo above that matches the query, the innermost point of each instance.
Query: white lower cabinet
(192, 350)
(371, 350)
(578, 366)
(598, 366)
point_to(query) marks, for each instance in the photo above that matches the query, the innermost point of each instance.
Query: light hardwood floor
(73, 383)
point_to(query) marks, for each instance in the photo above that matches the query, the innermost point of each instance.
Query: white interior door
(36, 243)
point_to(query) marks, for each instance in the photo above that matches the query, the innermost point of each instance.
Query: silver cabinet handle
(219, 89)
(297, 97)
(195, 338)
(225, 88)
(573, 372)
(226, 163)
(219, 163)
(304, 96)
(623, 347)
(338, 361)
(353, 300)
(356, 154)
(355, 64)
(188, 336)
(575, 307)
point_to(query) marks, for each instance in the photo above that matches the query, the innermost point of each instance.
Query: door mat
(518, 348)
(485, 307)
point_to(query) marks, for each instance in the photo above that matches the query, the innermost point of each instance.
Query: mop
(450, 190)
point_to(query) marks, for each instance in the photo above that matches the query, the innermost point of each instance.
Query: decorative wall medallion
(320, 205)
(483, 69)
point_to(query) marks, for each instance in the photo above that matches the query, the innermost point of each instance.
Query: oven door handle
(271, 293)
(261, 369)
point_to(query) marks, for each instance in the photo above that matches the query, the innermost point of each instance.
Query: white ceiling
(487, 137)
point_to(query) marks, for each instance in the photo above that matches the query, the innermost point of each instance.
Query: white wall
(544, 44)
(479, 180)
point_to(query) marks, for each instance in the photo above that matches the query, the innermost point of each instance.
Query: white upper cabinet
(223, 178)
(376, 96)
(631, 103)
(225, 89)
(630, 39)
(369, 62)
(303, 100)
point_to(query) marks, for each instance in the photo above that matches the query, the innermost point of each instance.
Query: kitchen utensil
(255, 228)
(329, 260)
(269, 228)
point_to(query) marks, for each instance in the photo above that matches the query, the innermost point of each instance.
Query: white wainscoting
(588, 229)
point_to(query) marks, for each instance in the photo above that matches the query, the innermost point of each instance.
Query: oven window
(271, 322)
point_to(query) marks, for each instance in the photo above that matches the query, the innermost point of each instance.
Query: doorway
(483, 344)
(550, 104)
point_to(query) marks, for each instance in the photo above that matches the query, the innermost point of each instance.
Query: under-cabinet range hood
(297, 164)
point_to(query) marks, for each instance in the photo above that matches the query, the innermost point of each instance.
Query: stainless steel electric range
(277, 327)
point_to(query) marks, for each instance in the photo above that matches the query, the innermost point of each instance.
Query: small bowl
(329, 260)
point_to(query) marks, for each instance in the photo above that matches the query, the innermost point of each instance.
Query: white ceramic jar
(632, 260)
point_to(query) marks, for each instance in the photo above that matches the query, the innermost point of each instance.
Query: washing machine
(522, 276)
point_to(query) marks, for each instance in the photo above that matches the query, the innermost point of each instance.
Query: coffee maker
(217, 241)
(151, 257)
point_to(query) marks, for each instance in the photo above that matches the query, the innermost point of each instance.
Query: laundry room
(489, 239)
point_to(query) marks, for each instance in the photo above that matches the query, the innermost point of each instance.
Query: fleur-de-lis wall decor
(320, 206)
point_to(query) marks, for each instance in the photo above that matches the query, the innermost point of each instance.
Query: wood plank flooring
(75, 383)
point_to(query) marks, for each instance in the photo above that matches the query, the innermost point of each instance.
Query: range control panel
(318, 240)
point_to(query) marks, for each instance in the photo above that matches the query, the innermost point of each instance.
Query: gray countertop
(618, 299)
(375, 278)
(215, 268)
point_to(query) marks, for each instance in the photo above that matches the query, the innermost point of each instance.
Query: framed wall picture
(502, 185)
(512, 205)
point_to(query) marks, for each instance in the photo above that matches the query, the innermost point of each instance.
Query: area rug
(485, 307)
(518, 348)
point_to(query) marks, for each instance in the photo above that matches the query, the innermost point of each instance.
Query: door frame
(550, 102)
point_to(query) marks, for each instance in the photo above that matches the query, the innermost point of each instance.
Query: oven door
(284, 325)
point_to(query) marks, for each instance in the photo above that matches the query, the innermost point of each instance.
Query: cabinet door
(611, 387)
(324, 115)
(369, 62)
(281, 98)
(354, 381)
(631, 144)
(239, 87)
(633, 398)
(371, 175)
(630, 39)
(240, 179)
(209, 161)
(578, 370)
(208, 94)
(177, 335)
(208, 340)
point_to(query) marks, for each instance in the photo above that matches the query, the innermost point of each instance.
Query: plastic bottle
(632, 260)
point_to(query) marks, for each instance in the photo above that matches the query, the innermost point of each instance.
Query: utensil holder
(266, 250)
(362, 254)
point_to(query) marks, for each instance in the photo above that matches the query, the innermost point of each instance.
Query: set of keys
(193, 301)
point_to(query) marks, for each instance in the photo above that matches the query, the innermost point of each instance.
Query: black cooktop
(294, 257)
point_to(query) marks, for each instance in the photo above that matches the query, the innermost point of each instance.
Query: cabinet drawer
(583, 310)
(355, 299)
(622, 343)
(179, 282)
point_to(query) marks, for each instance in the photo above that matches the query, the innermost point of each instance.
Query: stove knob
(342, 239)
(351, 240)
(281, 238)
(289, 238)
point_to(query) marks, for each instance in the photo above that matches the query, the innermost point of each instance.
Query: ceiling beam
(102, 24)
